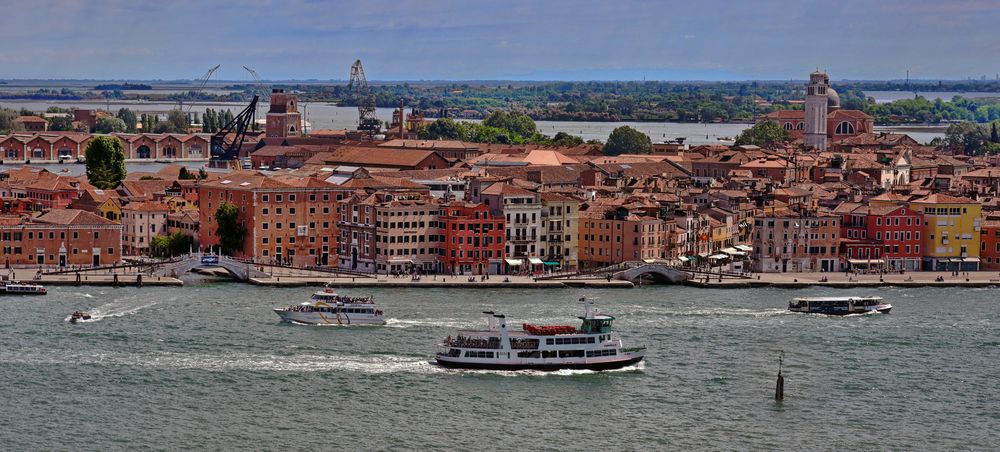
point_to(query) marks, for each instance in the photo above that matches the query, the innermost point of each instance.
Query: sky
(500, 40)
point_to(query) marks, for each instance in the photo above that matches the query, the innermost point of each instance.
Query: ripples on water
(210, 367)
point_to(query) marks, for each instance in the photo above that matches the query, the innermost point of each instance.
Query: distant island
(122, 87)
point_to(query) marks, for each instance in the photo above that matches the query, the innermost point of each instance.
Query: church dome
(832, 98)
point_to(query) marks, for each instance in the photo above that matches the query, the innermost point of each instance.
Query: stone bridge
(242, 271)
(664, 274)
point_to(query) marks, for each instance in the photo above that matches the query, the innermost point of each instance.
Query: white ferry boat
(551, 347)
(839, 305)
(328, 308)
(19, 288)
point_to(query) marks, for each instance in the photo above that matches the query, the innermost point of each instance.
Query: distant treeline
(122, 87)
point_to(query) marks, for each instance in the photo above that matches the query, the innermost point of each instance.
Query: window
(845, 128)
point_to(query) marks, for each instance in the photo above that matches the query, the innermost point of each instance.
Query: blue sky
(519, 40)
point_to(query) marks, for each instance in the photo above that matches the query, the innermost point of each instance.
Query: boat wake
(370, 364)
(718, 312)
(110, 310)
(444, 323)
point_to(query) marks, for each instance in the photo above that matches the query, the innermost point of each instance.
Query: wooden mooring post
(779, 386)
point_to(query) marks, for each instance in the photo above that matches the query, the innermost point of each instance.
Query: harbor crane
(201, 82)
(368, 121)
(265, 93)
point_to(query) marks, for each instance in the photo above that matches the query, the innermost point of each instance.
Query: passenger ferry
(550, 347)
(839, 305)
(19, 288)
(328, 308)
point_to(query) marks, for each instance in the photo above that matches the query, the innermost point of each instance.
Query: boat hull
(318, 318)
(880, 309)
(603, 365)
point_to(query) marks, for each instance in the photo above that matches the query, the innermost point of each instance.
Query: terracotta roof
(941, 198)
(72, 216)
(505, 189)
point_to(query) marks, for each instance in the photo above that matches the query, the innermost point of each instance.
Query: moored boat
(839, 305)
(540, 347)
(328, 308)
(20, 288)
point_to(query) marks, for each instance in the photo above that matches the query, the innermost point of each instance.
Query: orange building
(288, 219)
(60, 237)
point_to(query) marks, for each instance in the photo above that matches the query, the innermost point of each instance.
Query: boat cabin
(597, 324)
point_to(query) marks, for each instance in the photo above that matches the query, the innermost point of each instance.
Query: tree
(171, 245)
(177, 121)
(514, 122)
(966, 137)
(442, 128)
(105, 162)
(994, 136)
(184, 174)
(109, 125)
(565, 139)
(7, 117)
(60, 123)
(625, 139)
(128, 117)
(229, 230)
(762, 134)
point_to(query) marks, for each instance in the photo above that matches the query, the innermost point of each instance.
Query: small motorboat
(79, 316)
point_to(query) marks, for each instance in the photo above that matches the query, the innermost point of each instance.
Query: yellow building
(110, 209)
(950, 232)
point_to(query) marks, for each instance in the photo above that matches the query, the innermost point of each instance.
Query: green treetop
(105, 162)
(626, 140)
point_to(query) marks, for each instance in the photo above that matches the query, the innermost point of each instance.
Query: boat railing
(472, 342)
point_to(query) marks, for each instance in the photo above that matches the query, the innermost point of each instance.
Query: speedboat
(839, 305)
(20, 288)
(79, 316)
(540, 347)
(328, 308)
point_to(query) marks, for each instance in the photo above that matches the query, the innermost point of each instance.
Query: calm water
(327, 116)
(209, 366)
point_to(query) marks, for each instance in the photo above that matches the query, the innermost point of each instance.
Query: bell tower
(283, 118)
(816, 110)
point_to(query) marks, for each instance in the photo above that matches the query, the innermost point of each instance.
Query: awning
(514, 261)
(552, 263)
(970, 259)
(718, 256)
(702, 255)
(535, 261)
(683, 258)
(746, 248)
(649, 261)
(866, 261)
(730, 251)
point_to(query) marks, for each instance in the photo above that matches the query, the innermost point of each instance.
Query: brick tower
(283, 119)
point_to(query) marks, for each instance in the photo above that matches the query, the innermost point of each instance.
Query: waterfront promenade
(911, 279)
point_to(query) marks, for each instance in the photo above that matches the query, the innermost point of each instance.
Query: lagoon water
(208, 366)
(322, 115)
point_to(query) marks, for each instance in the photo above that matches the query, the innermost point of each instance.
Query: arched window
(845, 128)
(788, 126)
(800, 126)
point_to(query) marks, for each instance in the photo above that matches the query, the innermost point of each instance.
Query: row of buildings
(827, 200)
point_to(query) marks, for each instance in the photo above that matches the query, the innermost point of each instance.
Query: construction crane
(265, 93)
(368, 121)
(228, 141)
(201, 86)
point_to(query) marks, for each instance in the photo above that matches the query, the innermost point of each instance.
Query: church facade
(822, 121)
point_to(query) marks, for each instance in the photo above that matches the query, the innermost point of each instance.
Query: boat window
(549, 354)
(571, 354)
(548, 341)
(478, 354)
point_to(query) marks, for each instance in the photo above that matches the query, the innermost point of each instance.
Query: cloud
(448, 39)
